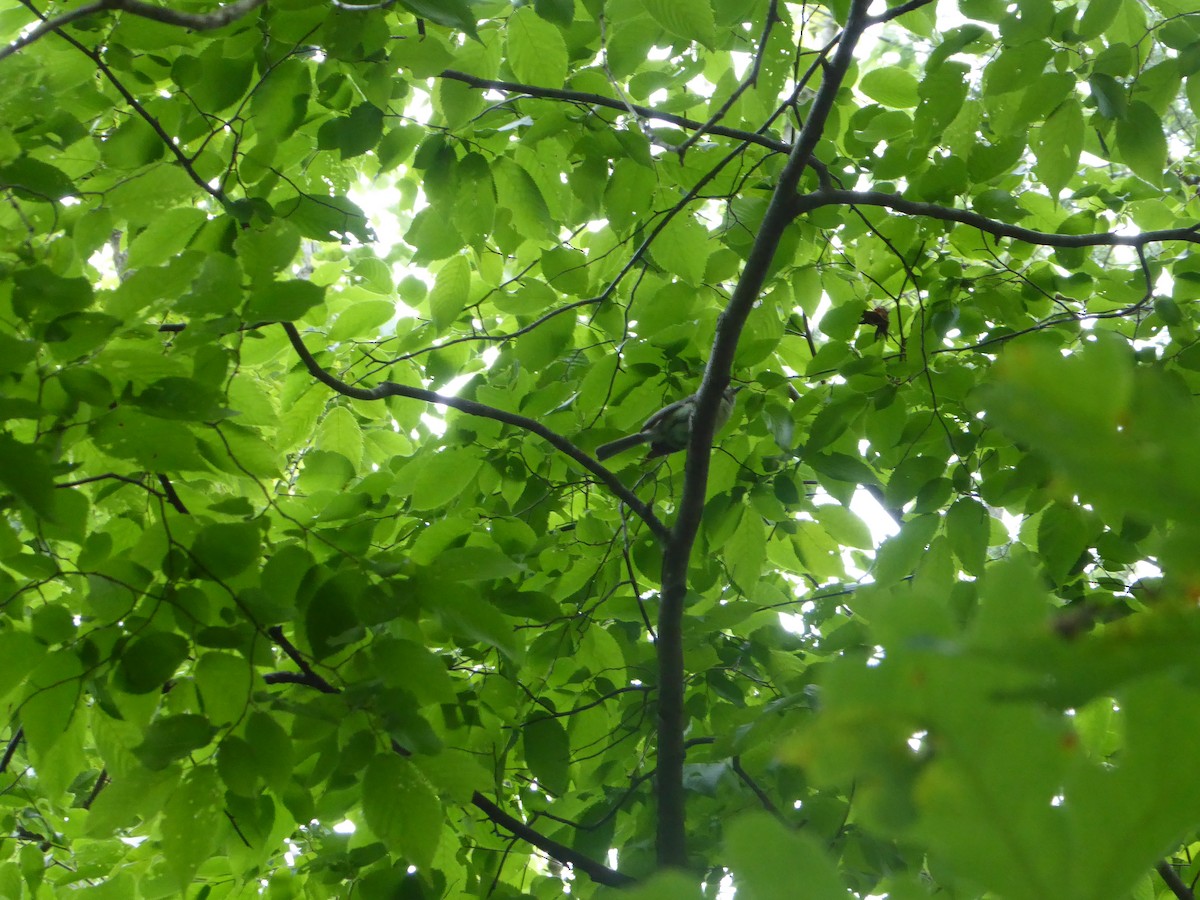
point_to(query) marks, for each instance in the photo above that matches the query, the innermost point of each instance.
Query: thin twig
(218, 18)
(392, 389)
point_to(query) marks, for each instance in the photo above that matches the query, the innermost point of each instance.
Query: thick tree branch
(1177, 885)
(392, 389)
(896, 203)
(782, 209)
(218, 18)
(598, 873)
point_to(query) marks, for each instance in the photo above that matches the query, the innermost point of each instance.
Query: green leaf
(354, 134)
(326, 218)
(401, 808)
(1057, 145)
(892, 86)
(226, 549)
(224, 682)
(536, 50)
(1097, 16)
(449, 295)
(1142, 143)
(25, 473)
(688, 19)
(191, 824)
(150, 661)
(273, 751)
(171, 738)
(769, 861)
(682, 248)
(283, 301)
(968, 527)
(547, 752)
(36, 180)
(341, 433)
(451, 13)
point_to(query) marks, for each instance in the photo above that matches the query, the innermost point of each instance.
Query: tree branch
(309, 676)
(471, 407)
(1177, 885)
(751, 78)
(591, 99)
(6, 760)
(218, 18)
(896, 203)
(897, 11)
(136, 106)
(782, 209)
(598, 873)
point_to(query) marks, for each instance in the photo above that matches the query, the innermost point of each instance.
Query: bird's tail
(620, 445)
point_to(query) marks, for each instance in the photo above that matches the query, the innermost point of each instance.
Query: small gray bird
(669, 429)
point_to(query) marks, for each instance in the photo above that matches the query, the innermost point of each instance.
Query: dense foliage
(312, 315)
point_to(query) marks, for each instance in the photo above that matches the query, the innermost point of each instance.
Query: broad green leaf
(1142, 143)
(51, 694)
(683, 18)
(171, 738)
(340, 433)
(968, 527)
(25, 473)
(326, 218)
(283, 301)
(1057, 145)
(224, 682)
(892, 86)
(449, 295)
(272, 748)
(1097, 16)
(771, 862)
(191, 824)
(548, 753)
(535, 48)
(150, 661)
(402, 809)
(226, 549)
(682, 248)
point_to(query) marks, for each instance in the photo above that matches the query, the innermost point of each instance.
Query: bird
(669, 429)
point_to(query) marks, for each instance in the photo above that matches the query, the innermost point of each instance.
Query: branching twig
(591, 99)
(598, 873)
(750, 79)
(310, 677)
(218, 18)
(896, 203)
(471, 407)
